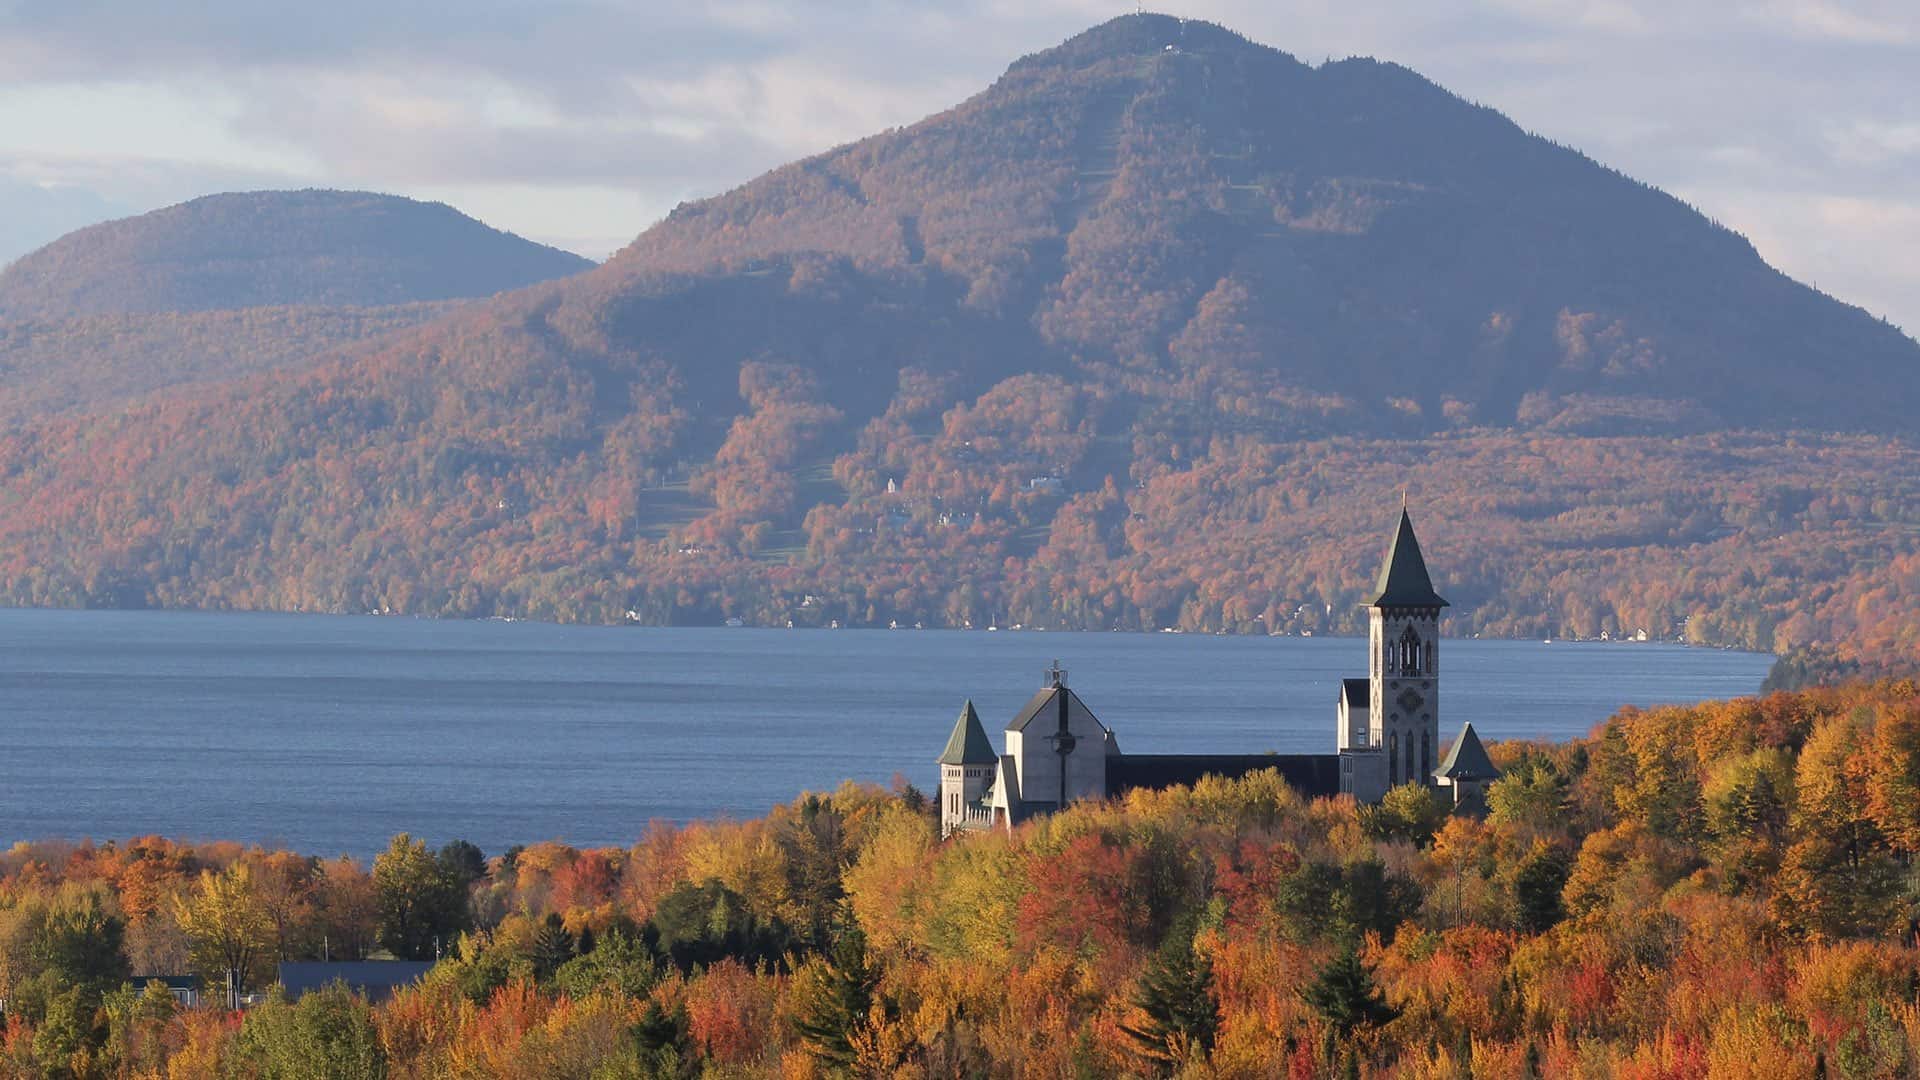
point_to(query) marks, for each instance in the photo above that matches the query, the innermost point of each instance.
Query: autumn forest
(1723, 890)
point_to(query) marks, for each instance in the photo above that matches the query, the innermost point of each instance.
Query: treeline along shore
(1724, 889)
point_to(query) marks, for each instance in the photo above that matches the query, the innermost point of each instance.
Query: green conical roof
(1467, 759)
(968, 744)
(1403, 578)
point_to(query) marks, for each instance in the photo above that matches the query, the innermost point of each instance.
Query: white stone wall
(960, 787)
(1039, 765)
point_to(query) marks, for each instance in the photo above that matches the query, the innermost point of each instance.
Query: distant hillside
(1153, 332)
(275, 248)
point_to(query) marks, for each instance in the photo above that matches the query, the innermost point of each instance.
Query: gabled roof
(1467, 759)
(1357, 692)
(1045, 706)
(968, 744)
(1403, 580)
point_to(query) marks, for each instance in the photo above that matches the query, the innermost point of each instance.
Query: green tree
(696, 925)
(1410, 812)
(422, 900)
(834, 998)
(79, 944)
(659, 1040)
(1537, 887)
(1175, 997)
(552, 946)
(329, 1033)
(138, 1018)
(465, 861)
(1531, 795)
(620, 962)
(1343, 993)
(65, 1043)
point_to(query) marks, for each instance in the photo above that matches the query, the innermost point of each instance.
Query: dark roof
(1403, 580)
(1309, 774)
(968, 744)
(375, 980)
(1467, 760)
(1357, 691)
(1046, 704)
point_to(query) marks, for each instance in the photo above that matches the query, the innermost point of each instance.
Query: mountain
(234, 284)
(1164, 194)
(1152, 332)
(275, 248)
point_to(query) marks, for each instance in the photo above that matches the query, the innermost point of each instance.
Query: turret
(966, 769)
(1466, 772)
(1403, 618)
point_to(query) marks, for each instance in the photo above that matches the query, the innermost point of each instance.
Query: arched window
(1393, 760)
(1411, 775)
(1409, 653)
(1426, 758)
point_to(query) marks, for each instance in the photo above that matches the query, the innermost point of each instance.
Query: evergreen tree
(836, 998)
(658, 1044)
(552, 947)
(1176, 996)
(1537, 888)
(1344, 994)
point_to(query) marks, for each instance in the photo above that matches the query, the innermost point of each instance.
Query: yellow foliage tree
(228, 926)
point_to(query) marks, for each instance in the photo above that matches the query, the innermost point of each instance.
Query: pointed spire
(1467, 759)
(1403, 580)
(968, 744)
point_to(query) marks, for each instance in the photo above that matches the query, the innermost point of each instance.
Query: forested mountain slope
(1152, 332)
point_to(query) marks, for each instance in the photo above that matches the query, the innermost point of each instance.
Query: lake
(329, 733)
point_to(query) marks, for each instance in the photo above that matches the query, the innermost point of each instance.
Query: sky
(580, 122)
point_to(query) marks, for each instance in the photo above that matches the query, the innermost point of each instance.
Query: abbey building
(1056, 751)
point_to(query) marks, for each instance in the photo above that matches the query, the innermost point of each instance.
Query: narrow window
(1426, 761)
(1393, 760)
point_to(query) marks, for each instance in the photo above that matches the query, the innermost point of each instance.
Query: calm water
(329, 734)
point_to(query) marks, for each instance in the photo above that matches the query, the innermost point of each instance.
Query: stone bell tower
(1404, 662)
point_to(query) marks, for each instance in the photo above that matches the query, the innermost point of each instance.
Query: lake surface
(329, 734)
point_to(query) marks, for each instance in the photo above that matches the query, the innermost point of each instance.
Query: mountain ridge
(313, 247)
